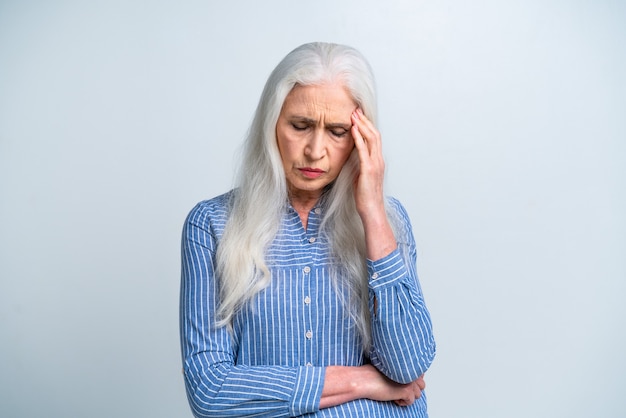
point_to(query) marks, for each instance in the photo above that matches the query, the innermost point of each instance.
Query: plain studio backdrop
(504, 127)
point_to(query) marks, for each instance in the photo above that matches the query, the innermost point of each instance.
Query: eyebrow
(302, 119)
(310, 121)
(338, 125)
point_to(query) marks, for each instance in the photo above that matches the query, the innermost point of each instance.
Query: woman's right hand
(343, 384)
(415, 389)
(381, 388)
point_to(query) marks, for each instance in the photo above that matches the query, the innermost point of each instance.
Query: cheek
(289, 151)
(347, 151)
(351, 159)
(283, 144)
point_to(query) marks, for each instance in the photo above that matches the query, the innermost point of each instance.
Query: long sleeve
(403, 346)
(216, 385)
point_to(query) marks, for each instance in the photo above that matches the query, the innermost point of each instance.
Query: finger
(406, 401)
(421, 383)
(365, 120)
(367, 128)
(417, 391)
(367, 132)
(359, 140)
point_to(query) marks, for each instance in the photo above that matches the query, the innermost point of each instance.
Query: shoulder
(211, 214)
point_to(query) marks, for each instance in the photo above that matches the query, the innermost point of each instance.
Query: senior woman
(299, 292)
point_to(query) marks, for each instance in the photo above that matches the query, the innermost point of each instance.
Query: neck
(303, 203)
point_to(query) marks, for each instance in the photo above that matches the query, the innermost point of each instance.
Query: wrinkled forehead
(319, 100)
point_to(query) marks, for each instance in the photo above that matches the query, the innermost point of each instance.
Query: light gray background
(505, 137)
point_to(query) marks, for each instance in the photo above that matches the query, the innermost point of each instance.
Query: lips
(311, 172)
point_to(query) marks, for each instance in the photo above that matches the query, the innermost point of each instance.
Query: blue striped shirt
(274, 363)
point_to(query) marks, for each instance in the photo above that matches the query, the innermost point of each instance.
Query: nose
(315, 148)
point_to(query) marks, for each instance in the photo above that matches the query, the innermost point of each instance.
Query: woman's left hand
(369, 182)
(368, 188)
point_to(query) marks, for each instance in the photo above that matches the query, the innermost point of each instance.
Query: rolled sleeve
(386, 271)
(403, 346)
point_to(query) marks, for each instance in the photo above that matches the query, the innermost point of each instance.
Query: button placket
(307, 315)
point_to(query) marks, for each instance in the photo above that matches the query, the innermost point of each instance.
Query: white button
(307, 269)
(317, 211)
(312, 240)
(307, 300)
(375, 276)
(309, 364)
(309, 334)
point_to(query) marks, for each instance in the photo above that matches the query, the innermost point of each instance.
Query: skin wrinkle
(313, 131)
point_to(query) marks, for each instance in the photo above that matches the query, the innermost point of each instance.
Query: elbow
(415, 366)
(202, 395)
(202, 404)
(425, 357)
(428, 357)
(199, 403)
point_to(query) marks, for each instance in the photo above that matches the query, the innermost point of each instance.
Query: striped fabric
(273, 365)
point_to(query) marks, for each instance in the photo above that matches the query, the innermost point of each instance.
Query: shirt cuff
(308, 390)
(386, 271)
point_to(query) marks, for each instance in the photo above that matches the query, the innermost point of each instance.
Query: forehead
(325, 98)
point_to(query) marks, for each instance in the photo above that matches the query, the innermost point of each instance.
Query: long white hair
(261, 183)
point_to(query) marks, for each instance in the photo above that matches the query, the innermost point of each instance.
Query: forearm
(380, 240)
(223, 390)
(403, 346)
(341, 384)
(344, 384)
(396, 304)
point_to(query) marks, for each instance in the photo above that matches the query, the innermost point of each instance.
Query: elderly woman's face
(314, 139)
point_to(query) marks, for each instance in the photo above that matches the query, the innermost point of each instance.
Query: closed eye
(300, 126)
(339, 133)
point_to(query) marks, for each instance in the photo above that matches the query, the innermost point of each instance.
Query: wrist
(380, 240)
(344, 384)
(373, 212)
